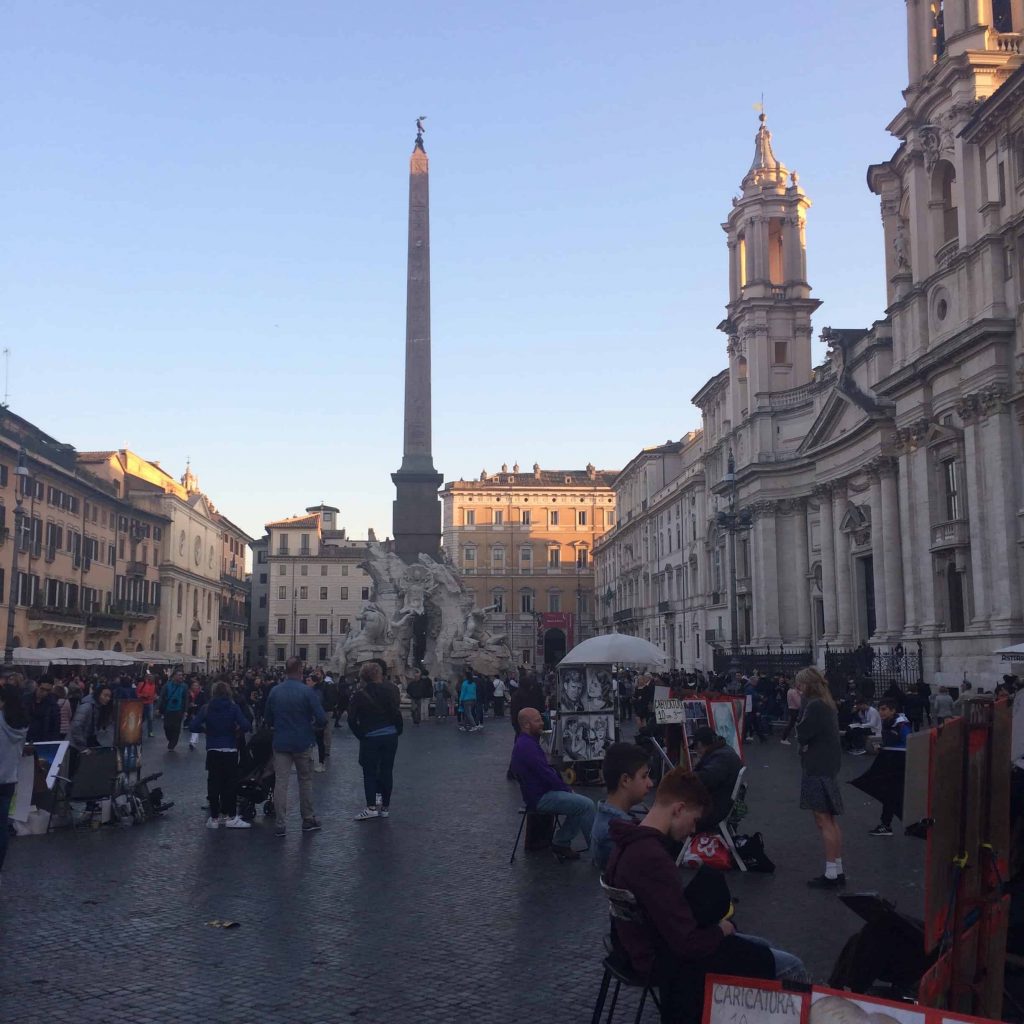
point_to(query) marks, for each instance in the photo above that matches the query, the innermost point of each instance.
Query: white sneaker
(786, 743)
(320, 768)
(213, 822)
(384, 812)
(366, 814)
(237, 822)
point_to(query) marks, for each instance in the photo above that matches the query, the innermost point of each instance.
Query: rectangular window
(282, 569)
(554, 558)
(303, 652)
(365, 593)
(498, 559)
(263, 600)
(282, 544)
(303, 570)
(470, 517)
(499, 517)
(581, 517)
(344, 593)
(498, 600)
(323, 593)
(781, 353)
(322, 653)
(949, 474)
(526, 601)
(304, 593)
(261, 557)
(609, 517)
(323, 627)
(553, 519)
(282, 593)
(581, 558)
(303, 626)
(304, 544)
(280, 653)
(526, 517)
(282, 626)
(344, 570)
(554, 601)
(263, 577)
(323, 570)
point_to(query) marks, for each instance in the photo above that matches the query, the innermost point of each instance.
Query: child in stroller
(256, 764)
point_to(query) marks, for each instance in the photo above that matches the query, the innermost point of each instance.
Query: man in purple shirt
(543, 788)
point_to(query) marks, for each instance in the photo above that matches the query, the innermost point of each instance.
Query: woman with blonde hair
(817, 732)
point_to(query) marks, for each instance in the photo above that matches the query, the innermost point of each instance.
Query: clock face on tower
(198, 550)
(181, 543)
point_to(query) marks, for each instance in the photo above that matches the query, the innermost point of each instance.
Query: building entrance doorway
(554, 646)
(866, 598)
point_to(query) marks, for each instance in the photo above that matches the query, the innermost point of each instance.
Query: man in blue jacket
(293, 710)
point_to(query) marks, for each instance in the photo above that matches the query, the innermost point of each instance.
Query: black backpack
(751, 850)
(329, 695)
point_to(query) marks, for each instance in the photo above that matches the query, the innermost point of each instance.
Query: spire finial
(420, 130)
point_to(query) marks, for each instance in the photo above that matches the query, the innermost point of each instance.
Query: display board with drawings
(746, 1001)
(586, 712)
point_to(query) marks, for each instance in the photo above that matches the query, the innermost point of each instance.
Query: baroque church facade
(879, 497)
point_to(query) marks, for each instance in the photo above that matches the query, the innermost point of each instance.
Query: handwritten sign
(741, 1001)
(668, 711)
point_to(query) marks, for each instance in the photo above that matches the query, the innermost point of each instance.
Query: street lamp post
(21, 473)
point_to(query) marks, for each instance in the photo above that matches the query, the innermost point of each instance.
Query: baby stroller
(256, 764)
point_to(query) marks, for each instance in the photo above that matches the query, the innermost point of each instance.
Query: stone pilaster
(826, 531)
(879, 566)
(844, 584)
(803, 583)
(893, 548)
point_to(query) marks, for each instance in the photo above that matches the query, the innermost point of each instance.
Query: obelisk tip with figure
(416, 515)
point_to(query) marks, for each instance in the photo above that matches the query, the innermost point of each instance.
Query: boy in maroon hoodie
(671, 947)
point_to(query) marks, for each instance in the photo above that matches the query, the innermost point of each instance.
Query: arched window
(101, 646)
(947, 223)
(741, 260)
(117, 647)
(74, 645)
(181, 598)
(41, 642)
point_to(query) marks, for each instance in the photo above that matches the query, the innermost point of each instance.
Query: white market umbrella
(40, 656)
(615, 648)
(1015, 653)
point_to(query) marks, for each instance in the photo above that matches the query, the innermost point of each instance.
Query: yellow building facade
(523, 544)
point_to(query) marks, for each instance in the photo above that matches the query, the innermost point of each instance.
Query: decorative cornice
(977, 406)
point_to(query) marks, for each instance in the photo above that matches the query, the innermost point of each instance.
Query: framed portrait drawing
(587, 737)
(723, 721)
(599, 694)
(572, 688)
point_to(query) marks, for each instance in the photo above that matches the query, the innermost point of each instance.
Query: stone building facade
(523, 543)
(87, 560)
(316, 586)
(191, 551)
(235, 593)
(876, 497)
(259, 602)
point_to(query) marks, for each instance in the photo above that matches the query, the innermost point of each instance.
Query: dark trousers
(888, 811)
(499, 707)
(794, 714)
(318, 735)
(172, 727)
(377, 758)
(222, 782)
(6, 794)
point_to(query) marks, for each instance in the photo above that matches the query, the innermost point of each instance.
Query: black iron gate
(767, 660)
(883, 664)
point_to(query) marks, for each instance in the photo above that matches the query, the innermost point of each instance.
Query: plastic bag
(708, 848)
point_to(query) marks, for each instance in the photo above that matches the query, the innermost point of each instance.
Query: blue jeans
(377, 759)
(577, 813)
(787, 966)
(147, 718)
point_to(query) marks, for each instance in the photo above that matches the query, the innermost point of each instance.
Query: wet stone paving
(419, 917)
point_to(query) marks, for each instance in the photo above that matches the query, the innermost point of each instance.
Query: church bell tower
(768, 319)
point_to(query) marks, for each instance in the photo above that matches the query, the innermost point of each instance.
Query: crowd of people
(631, 835)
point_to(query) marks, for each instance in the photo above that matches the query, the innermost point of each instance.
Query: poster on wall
(723, 721)
(587, 737)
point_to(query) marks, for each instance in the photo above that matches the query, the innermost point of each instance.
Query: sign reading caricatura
(668, 711)
(732, 999)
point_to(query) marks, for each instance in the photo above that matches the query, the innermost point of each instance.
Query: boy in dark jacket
(223, 721)
(669, 946)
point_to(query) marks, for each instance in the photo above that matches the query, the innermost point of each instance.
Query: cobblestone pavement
(416, 918)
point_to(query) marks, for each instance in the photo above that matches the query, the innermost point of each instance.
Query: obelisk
(416, 515)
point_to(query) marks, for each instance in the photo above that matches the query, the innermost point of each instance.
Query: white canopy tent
(616, 649)
(1014, 653)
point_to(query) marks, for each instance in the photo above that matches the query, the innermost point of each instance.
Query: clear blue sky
(204, 221)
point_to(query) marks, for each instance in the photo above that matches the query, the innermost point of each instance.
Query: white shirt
(499, 688)
(873, 719)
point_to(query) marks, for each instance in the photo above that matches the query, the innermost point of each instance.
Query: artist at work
(670, 946)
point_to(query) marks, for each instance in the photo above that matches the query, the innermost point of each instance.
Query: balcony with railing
(1006, 42)
(135, 568)
(624, 615)
(954, 533)
(103, 622)
(39, 611)
(232, 616)
(133, 609)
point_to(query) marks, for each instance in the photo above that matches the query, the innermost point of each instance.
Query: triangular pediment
(838, 417)
(201, 504)
(856, 518)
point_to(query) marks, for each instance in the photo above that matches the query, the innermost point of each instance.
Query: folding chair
(622, 906)
(723, 826)
(523, 815)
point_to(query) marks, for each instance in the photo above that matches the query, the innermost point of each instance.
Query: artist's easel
(967, 860)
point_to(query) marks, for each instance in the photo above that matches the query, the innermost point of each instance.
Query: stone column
(767, 542)
(893, 549)
(803, 599)
(844, 593)
(878, 556)
(977, 512)
(919, 512)
(907, 519)
(826, 531)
